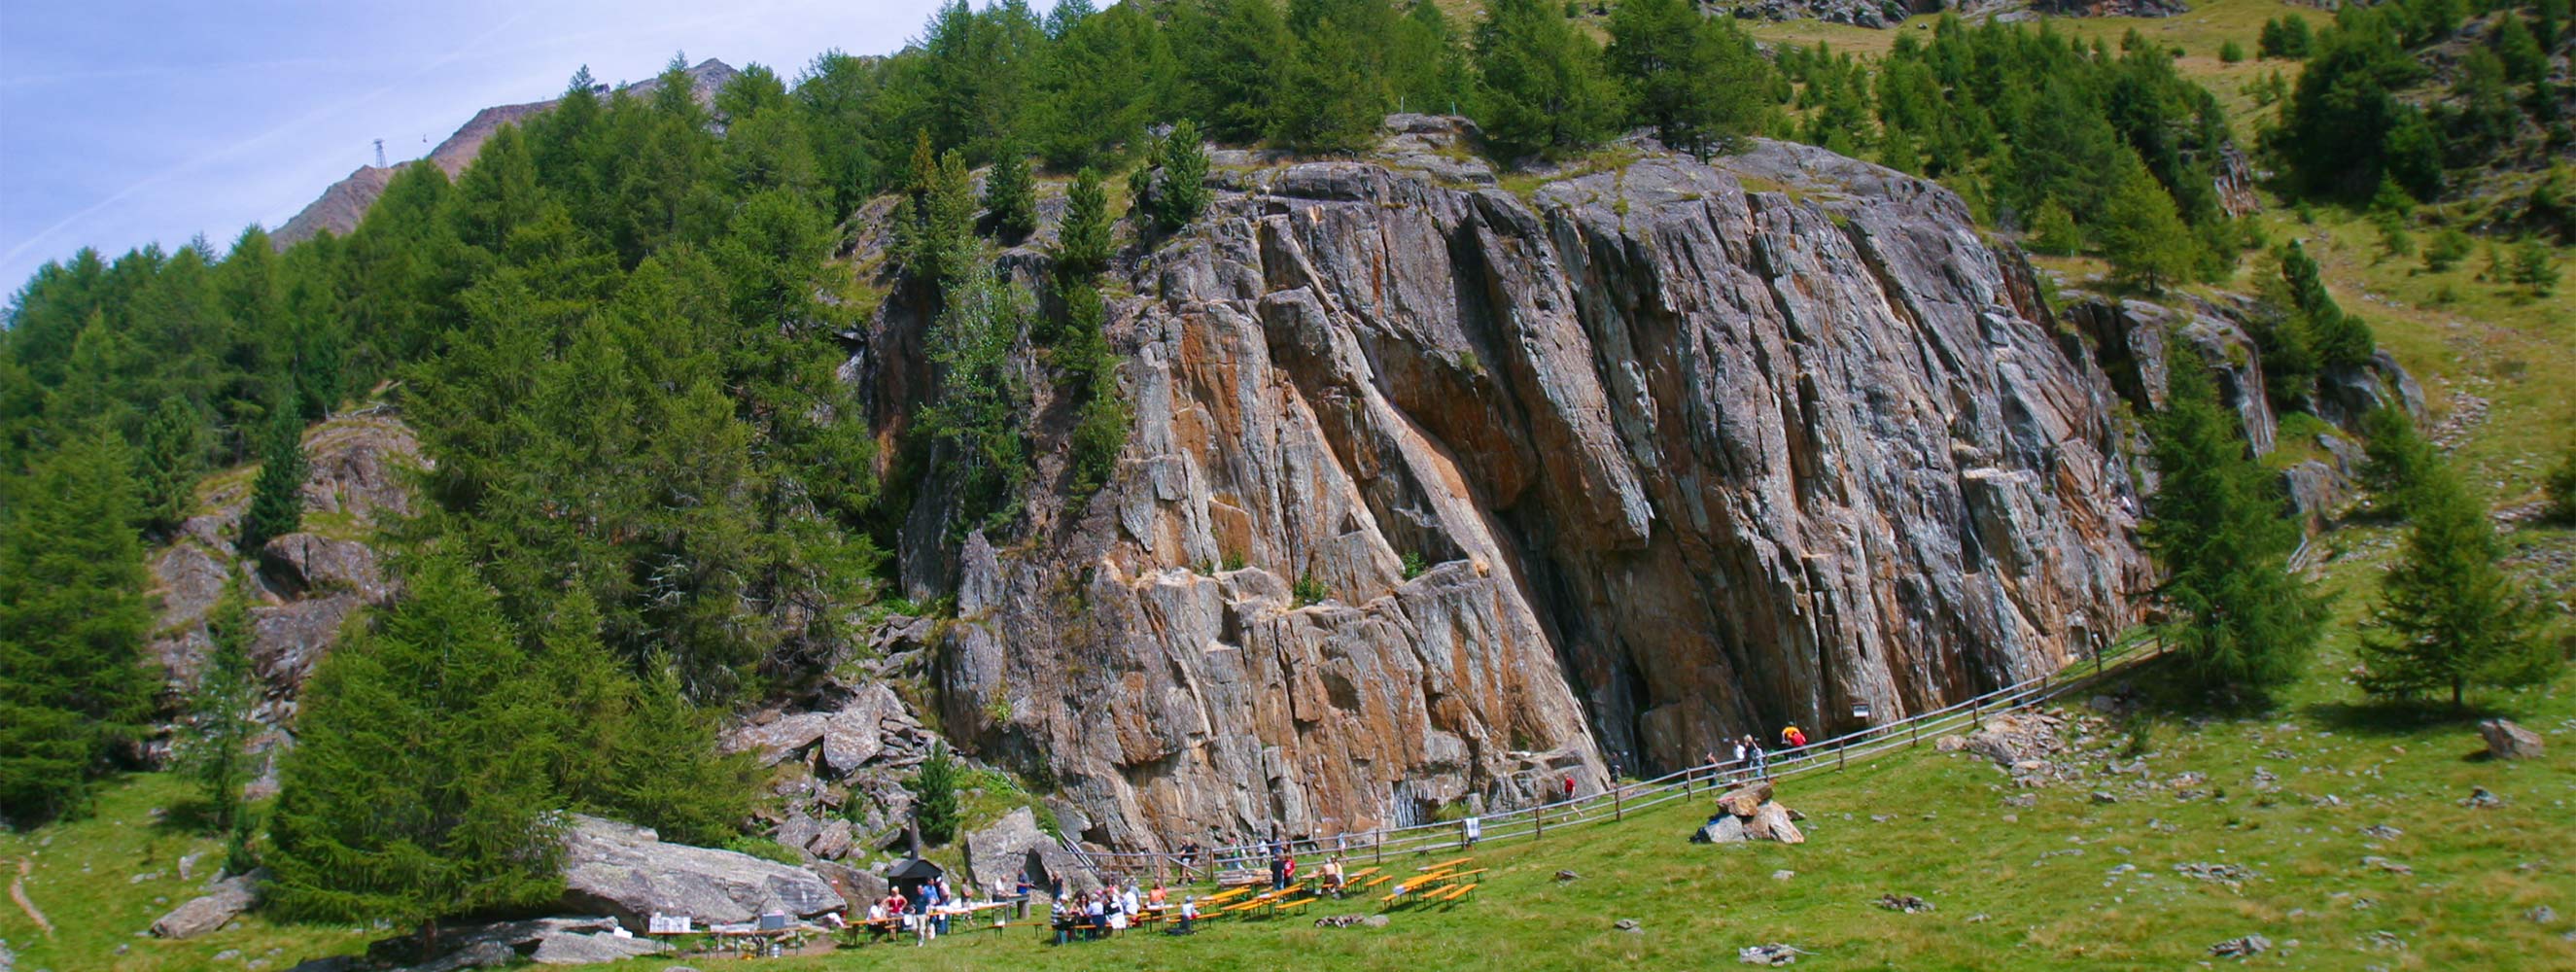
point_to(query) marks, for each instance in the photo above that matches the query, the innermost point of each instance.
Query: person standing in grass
(1792, 737)
(1761, 760)
(1743, 769)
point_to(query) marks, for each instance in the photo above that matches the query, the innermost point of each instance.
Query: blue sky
(126, 123)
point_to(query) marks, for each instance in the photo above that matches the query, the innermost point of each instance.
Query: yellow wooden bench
(1455, 892)
(1374, 882)
(1444, 864)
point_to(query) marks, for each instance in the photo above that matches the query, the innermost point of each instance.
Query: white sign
(661, 924)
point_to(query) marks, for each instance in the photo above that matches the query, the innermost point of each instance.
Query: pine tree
(1082, 243)
(417, 789)
(174, 457)
(2243, 621)
(1181, 191)
(2560, 488)
(2449, 617)
(1332, 95)
(277, 500)
(1540, 85)
(2396, 459)
(2142, 235)
(979, 410)
(215, 753)
(73, 617)
(2339, 339)
(1010, 197)
(934, 788)
(2053, 231)
(1698, 80)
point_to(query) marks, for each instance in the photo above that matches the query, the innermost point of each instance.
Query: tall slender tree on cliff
(276, 502)
(2243, 621)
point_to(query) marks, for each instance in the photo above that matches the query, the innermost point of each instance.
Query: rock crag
(1610, 471)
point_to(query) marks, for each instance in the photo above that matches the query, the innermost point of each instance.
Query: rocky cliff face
(303, 586)
(1681, 452)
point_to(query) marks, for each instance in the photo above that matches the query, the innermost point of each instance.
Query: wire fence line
(1622, 797)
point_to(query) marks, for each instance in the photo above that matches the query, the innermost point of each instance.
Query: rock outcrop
(1642, 460)
(628, 872)
(221, 903)
(997, 855)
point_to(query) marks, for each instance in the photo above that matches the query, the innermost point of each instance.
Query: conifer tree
(2243, 621)
(73, 616)
(979, 410)
(277, 501)
(1181, 191)
(1332, 94)
(1540, 85)
(1696, 79)
(2142, 235)
(1082, 244)
(418, 789)
(934, 787)
(1010, 196)
(2053, 231)
(2340, 339)
(2396, 459)
(2560, 487)
(215, 751)
(2449, 617)
(174, 452)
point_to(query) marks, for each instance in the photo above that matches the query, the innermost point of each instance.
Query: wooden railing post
(1617, 810)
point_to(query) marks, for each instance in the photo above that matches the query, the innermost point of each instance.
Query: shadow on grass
(2396, 718)
(194, 816)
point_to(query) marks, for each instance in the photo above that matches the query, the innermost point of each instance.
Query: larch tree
(2243, 621)
(73, 617)
(2449, 617)
(1540, 84)
(418, 787)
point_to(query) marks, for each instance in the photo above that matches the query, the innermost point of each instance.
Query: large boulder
(779, 737)
(2506, 740)
(1729, 829)
(572, 948)
(228, 898)
(628, 872)
(996, 855)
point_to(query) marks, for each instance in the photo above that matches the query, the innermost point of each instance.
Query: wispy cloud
(237, 148)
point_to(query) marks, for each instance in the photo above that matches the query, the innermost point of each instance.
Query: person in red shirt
(1569, 787)
(1793, 737)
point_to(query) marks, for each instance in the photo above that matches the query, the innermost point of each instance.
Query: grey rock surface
(573, 948)
(997, 854)
(221, 903)
(627, 871)
(2509, 740)
(1682, 452)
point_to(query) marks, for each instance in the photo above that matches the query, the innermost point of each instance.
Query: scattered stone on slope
(1744, 801)
(2384, 864)
(2232, 875)
(2507, 740)
(2480, 798)
(227, 899)
(2541, 914)
(1773, 954)
(2246, 947)
(2382, 832)
(1906, 903)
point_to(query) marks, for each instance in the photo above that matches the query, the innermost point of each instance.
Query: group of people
(1751, 760)
(925, 916)
(1114, 909)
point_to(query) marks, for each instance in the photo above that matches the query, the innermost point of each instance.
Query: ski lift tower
(380, 153)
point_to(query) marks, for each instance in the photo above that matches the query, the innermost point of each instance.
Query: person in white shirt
(1189, 917)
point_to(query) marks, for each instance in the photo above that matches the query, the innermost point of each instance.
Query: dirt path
(18, 893)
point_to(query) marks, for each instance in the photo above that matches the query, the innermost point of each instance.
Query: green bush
(1308, 590)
